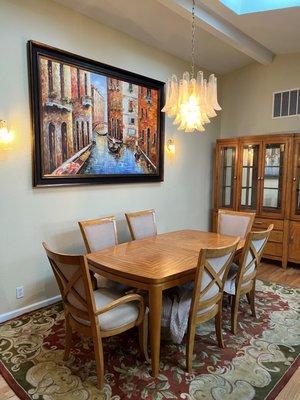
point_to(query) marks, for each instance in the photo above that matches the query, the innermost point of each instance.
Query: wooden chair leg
(218, 325)
(251, 300)
(68, 339)
(190, 345)
(143, 337)
(234, 313)
(97, 341)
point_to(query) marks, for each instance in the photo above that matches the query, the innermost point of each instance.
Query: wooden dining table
(155, 264)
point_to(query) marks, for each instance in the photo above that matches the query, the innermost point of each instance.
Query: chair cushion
(117, 316)
(229, 286)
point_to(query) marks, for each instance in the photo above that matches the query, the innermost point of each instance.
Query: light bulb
(171, 146)
(190, 112)
(6, 137)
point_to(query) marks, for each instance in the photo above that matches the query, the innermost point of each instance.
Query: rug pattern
(31, 357)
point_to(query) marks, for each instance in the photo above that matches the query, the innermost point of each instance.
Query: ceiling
(225, 41)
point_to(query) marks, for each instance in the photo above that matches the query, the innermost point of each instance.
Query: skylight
(252, 6)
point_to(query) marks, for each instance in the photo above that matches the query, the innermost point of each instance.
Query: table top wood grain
(160, 258)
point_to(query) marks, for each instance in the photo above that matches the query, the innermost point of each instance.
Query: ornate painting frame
(93, 123)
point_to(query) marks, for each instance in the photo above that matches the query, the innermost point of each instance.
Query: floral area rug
(256, 364)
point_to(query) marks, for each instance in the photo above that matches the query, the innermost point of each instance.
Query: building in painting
(130, 111)
(82, 108)
(66, 112)
(147, 126)
(98, 111)
(115, 108)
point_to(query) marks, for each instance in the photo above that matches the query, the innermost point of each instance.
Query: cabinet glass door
(249, 178)
(296, 183)
(227, 184)
(273, 177)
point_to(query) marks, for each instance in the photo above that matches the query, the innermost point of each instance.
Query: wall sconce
(171, 146)
(6, 137)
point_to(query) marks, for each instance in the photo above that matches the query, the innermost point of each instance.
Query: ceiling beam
(222, 29)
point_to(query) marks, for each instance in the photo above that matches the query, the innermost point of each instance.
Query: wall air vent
(286, 103)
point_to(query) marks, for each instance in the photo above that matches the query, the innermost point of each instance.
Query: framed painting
(93, 123)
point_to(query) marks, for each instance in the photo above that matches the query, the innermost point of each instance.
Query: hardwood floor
(268, 272)
(274, 273)
(6, 392)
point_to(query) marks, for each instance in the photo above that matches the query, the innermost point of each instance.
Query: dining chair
(235, 223)
(241, 278)
(213, 266)
(141, 224)
(97, 314)
(99, 234)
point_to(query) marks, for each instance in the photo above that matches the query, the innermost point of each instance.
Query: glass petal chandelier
(192, 101)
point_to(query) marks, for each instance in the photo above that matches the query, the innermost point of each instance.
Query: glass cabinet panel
(273, 171)
(228, 157)
(249, 177)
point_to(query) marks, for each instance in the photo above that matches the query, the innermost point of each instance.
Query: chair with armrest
(97, 314)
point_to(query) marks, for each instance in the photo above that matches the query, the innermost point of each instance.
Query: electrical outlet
(19, 292)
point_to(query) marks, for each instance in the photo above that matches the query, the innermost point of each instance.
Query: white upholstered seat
(142, 224)
(116, 317)
(234, 223)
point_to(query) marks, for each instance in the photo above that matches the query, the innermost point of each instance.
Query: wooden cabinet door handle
(294, 179)
(257, 223)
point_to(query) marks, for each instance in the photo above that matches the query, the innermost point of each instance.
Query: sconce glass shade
(171, 146)
(191, 102)
(6, 137)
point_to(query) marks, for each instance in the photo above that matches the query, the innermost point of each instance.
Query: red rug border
(21, 393)
(280, 385)
(13, 384)
(283, 381)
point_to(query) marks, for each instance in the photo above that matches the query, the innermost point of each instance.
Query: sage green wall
(247, 97)
(28, 216)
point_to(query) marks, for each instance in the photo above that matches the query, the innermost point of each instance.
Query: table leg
(155, 305)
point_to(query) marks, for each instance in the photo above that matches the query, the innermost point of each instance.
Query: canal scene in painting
(94, 124)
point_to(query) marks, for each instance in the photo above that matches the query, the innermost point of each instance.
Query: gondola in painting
(93, 123)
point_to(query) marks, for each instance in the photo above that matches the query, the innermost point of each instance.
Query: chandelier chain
(193, 39)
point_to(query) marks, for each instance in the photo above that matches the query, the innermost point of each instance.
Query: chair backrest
(235, 223)
(251, 256)
(212, 270)
(98, 234)
(142, 224)
(73, 278)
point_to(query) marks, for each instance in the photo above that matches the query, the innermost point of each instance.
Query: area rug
(256, 364)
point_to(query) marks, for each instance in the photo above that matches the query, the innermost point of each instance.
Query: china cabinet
(262, 174)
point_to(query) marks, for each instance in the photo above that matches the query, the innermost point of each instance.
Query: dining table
(155, 264)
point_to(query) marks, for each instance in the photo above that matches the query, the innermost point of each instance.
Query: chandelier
(192, 101)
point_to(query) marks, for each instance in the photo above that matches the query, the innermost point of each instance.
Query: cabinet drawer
(263, 223)
(273, 249)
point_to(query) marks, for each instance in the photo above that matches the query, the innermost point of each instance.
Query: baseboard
(31, 307)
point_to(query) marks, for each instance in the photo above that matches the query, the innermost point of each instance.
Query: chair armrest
(122, 300)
